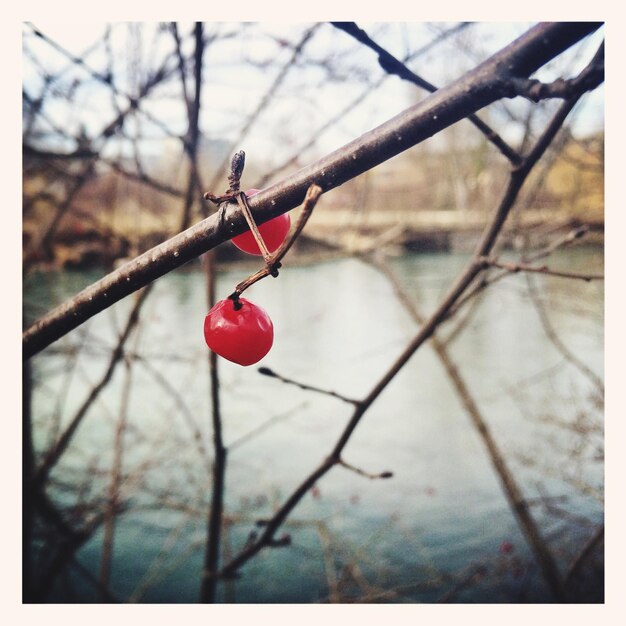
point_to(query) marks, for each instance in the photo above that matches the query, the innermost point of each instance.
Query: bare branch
(55, 453)
(391, 65)
(539, 269)
(273, 260)
(465, 278)
(590, 78)
(439, 110)
(361, 472)
(266, 371)
(485, 280)
(557, 342)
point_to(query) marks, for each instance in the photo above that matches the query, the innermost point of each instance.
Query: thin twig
(486, 281)
(273, 260)
(181, 67)
(556, 340)
(266, 371)
(539, 269)
(242, 202)
(193, 130)
(392, 65)
(564, 240)
(55, 453)
(360, 472)
(472, 269)
(334, 595)
(437, 111)
(519, 506)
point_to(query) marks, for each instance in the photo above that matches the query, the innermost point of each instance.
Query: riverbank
(326, 239)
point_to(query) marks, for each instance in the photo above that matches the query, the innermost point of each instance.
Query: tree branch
(266, 371)
(393, 66)
(513, 493)
(465, 278)
(55, 453)
(539, 269)
(446, 106)
(590, 78)
(349, 107)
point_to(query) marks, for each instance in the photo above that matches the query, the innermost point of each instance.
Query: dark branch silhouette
(471, 92)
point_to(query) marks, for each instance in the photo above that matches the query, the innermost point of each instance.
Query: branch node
(236, 170)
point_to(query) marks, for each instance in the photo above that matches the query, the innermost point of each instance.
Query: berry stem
(242, 201)
(236, 301)
(273, 260)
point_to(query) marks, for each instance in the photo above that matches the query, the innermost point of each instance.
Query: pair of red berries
(242, 331)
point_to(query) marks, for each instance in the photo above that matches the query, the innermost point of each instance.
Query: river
(440, 529)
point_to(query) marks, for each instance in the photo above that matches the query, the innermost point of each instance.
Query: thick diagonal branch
(473, 91)
(391, 65)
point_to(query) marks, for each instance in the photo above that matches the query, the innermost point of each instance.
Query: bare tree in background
(100, 195)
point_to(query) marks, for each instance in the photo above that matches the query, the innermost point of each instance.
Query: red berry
(273, 232)
(243, 335)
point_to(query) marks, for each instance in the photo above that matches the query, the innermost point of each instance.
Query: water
(433, 532)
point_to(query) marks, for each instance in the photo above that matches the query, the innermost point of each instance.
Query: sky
(241, 63)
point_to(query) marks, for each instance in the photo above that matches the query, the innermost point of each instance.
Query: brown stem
(193, 131)
(242, 202)
(273, 260)
(360, 472)
(208, 584)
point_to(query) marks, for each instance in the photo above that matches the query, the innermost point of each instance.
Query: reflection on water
(440, 529)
